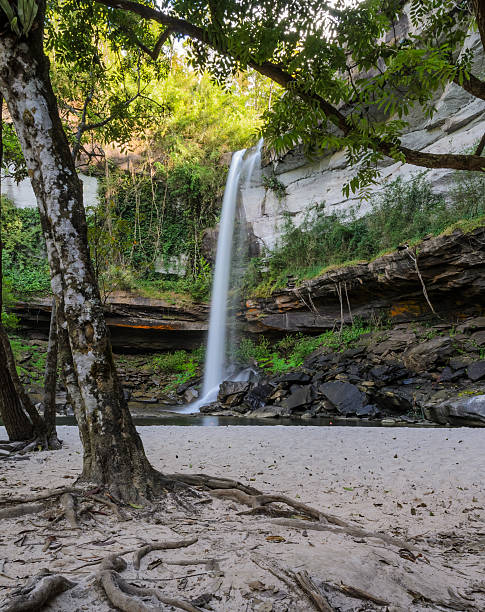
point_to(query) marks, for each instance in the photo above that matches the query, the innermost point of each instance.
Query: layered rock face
(136, 323)
(457, 126)
(449, 268)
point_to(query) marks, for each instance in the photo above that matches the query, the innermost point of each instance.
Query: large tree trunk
(113, 451)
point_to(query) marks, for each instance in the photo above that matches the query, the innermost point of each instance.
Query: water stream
(215, 369)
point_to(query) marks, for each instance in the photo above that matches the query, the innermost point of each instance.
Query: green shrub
(402, 212)
(290, 352)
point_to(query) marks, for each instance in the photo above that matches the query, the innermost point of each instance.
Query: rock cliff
(457, 126)
(449, 268)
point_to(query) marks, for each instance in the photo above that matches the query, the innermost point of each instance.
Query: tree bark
(50, 381)
(479, 10)
(113, 451)
(14, 418)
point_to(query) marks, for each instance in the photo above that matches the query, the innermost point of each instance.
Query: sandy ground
(423, 486)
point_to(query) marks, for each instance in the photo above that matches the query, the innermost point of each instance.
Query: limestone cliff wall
(457, 126)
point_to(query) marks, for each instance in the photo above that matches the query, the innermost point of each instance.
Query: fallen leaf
(275, 539)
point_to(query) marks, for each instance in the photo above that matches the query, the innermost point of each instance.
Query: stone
(475, 323)
(426, 354)
(397, 342)
(232, 393)
(449, 375)
(259, 395)
(299, 398)
(371, 410)
(4, 453)
(476, 371)
(190, 395)
(269, 412)
(461, 362)
(388, 422)
(460, 411)
(293, 377)
(346, 397)
(478, 338)
(394, 399)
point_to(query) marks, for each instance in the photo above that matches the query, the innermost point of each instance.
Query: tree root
(32, 597)
(301, 580)
(213, 482)
(69, 505)
(123, 595)
(144, 550)
(258, 501)
(348, 529)
(20, 510)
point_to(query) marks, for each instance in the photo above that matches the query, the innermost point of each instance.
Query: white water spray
(215, 361)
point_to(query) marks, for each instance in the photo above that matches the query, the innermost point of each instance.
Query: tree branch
(472, 85)
(287, 81)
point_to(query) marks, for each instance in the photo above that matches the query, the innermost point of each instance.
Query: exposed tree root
(258, 501)
(140, 553)
(69, 504)
(360, 594)
(39, 496)
(36, 593)
(213, 482)
(348, 529)
(124, 596)
(20, 510)
(297, 580)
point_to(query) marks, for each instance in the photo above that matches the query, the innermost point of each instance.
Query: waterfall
(215, 360)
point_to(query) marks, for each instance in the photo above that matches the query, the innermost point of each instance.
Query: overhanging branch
(287, 81)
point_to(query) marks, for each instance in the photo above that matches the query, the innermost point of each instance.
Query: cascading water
(215, 361)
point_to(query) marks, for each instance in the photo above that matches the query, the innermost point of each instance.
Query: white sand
(425, 486)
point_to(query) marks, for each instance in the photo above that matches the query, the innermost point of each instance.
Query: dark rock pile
(411, 373)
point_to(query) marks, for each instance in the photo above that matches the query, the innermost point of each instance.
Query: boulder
(259, 395)
(346, 397)
(395, 399)
(478, 338)
(460, 411)
(292, 377)
(300, 397)
(232, 393)
(427, 354)
(190, 395)
(370, 410)
(476, 371)
(448, 375)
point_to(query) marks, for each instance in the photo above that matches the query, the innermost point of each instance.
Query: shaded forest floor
(421, 491)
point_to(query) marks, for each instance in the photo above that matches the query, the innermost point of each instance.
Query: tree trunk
(50, 382)
(14, 418)
(113, 451)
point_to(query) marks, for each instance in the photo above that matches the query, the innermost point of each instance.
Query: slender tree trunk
(14, 418)
(113, 451)
(50, 382)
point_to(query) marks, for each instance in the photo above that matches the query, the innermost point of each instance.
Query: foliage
(25, 266)
(402, 212)
(152, 218)
(37, 359)
(290, 352)
(100, 75)
(183, 364)
(355, 66)
(272, 183)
